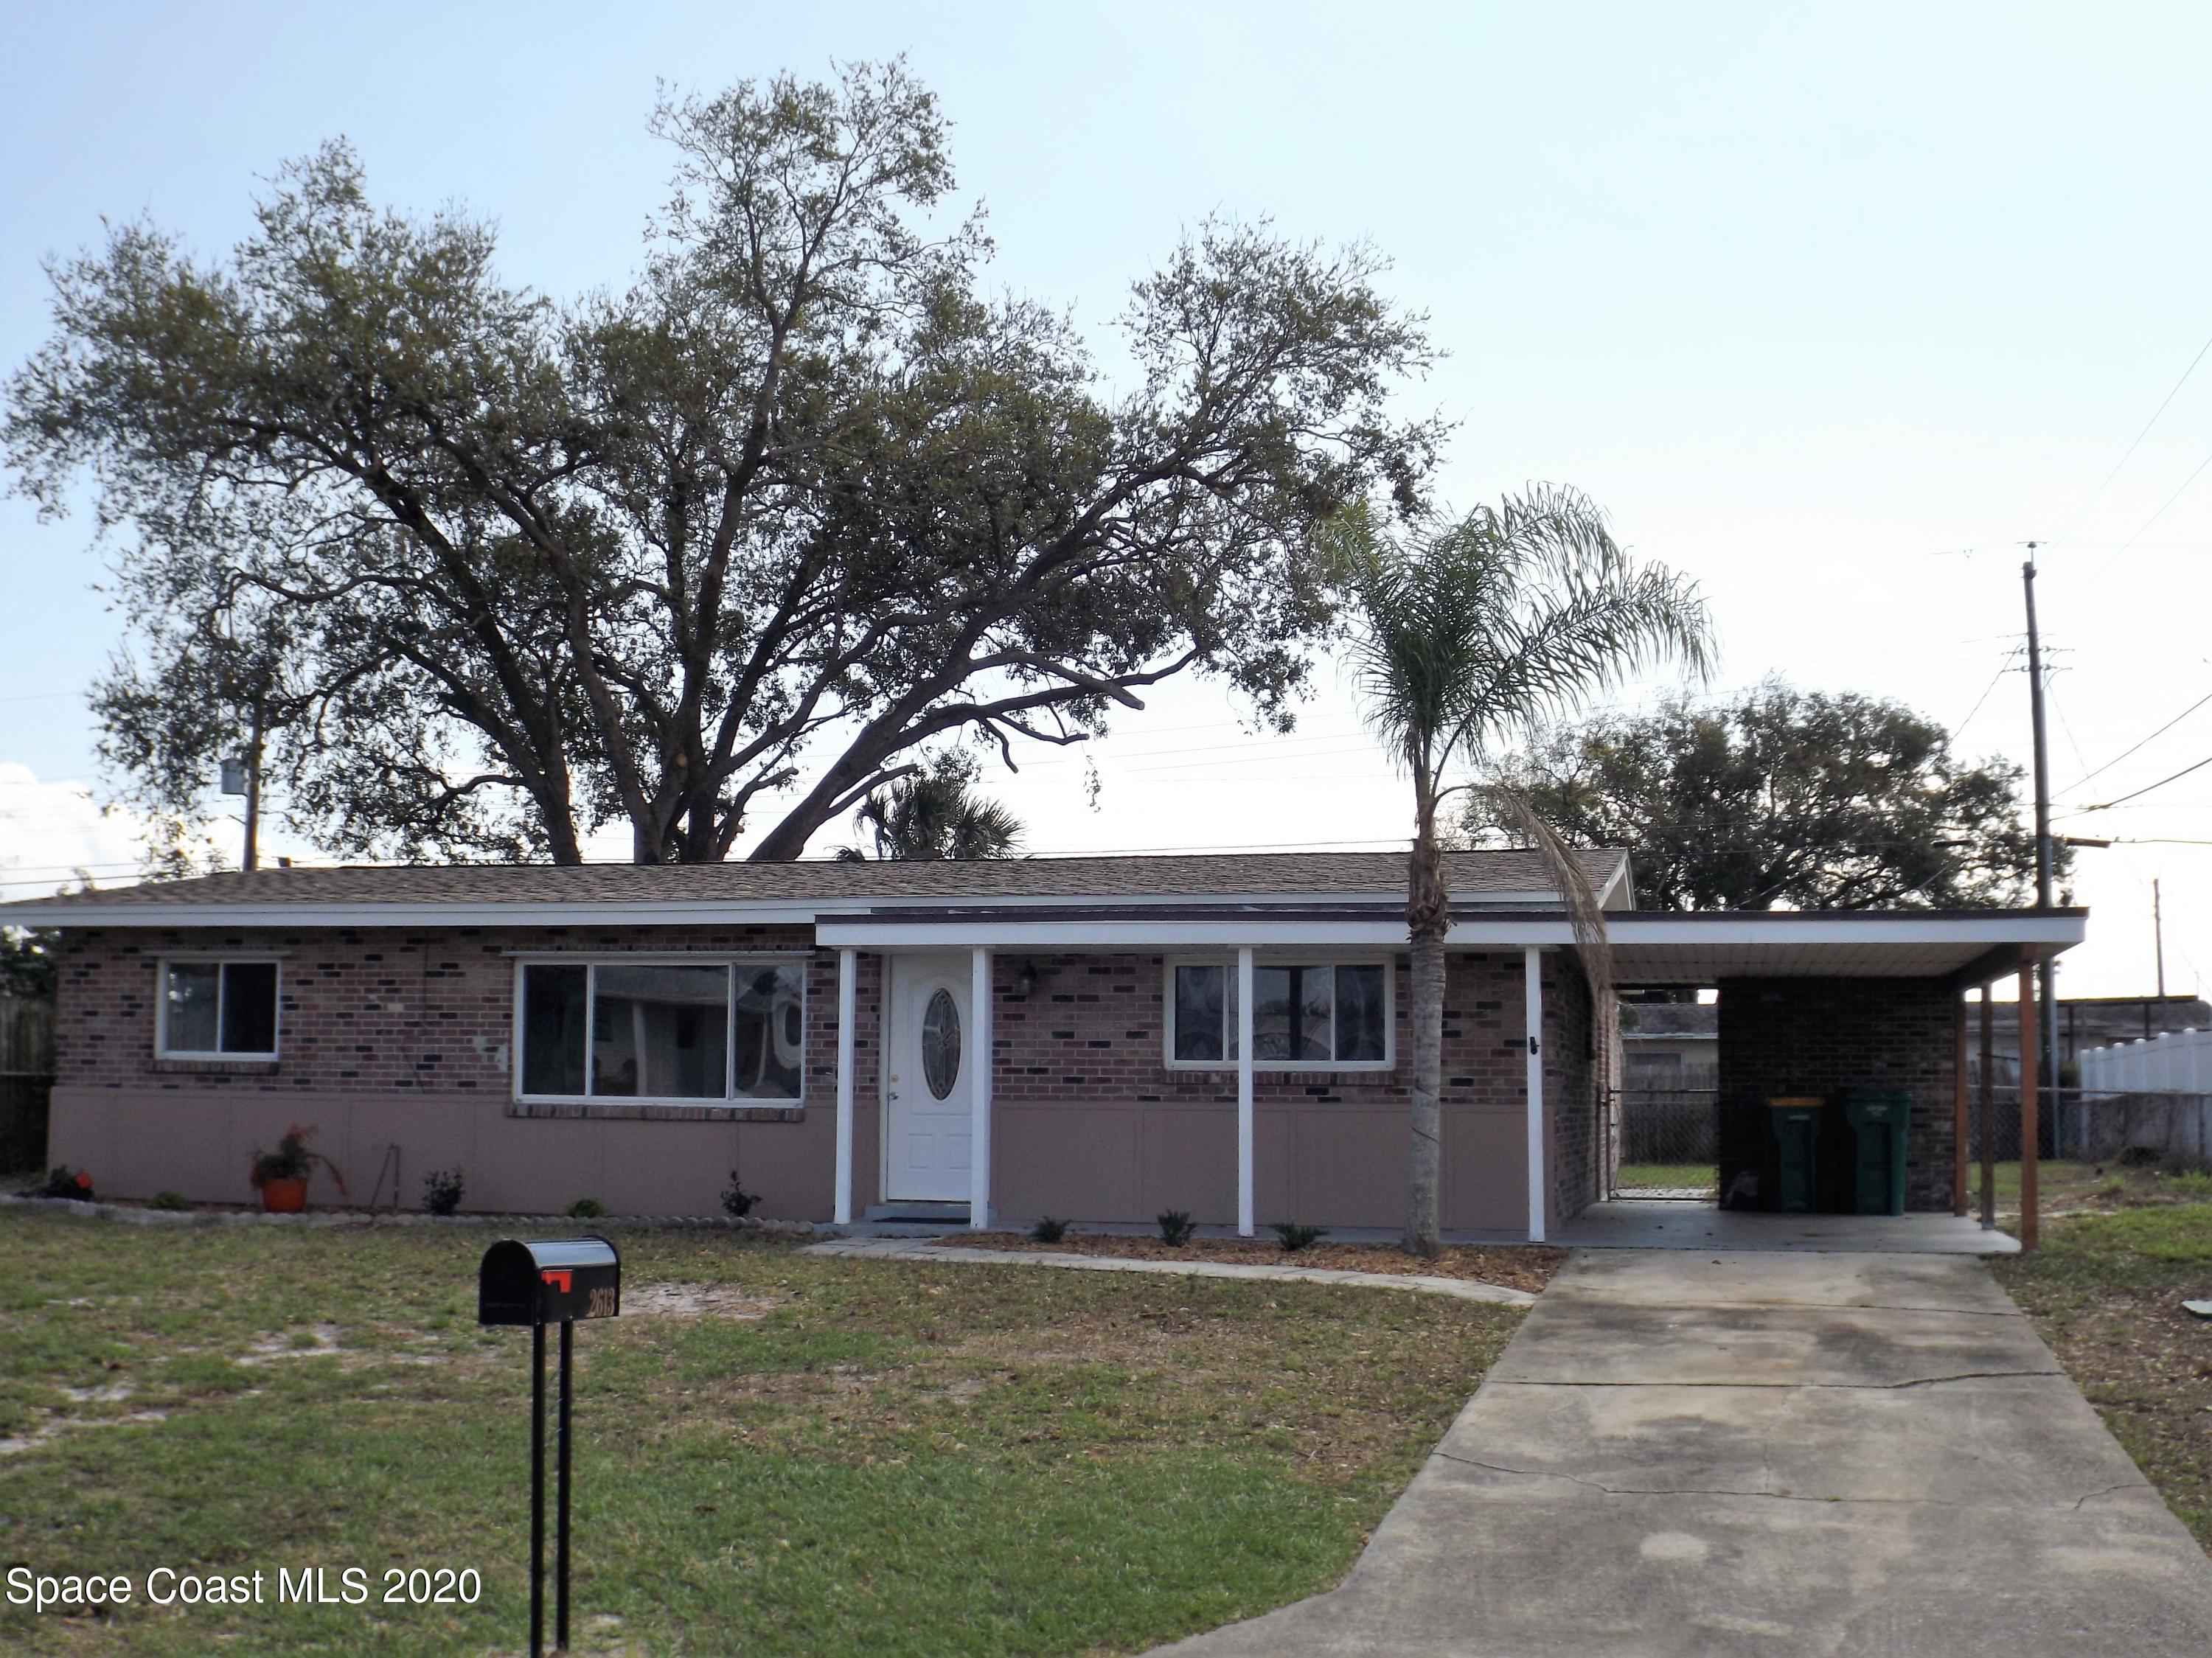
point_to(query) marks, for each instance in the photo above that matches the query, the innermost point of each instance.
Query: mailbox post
(540, 1282)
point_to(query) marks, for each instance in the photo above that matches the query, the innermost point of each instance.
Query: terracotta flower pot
(284, 1197)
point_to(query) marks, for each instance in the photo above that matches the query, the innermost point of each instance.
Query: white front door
(926, 1090)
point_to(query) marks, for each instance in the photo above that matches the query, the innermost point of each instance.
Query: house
(1668, 1045)
(1224, 1035)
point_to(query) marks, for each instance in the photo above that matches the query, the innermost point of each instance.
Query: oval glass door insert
(940, 1043)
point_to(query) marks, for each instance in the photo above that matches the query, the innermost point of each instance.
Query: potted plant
(280, 1177)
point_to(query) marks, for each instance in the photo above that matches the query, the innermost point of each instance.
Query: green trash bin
(1793, 1135)
(1877, 1118)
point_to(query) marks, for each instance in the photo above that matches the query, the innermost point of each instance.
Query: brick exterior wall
(1822, 1036)
(1093, 1125)
(405, 1037)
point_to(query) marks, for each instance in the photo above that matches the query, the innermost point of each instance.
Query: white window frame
(226, 958)
(1323, 958)
(592, 961)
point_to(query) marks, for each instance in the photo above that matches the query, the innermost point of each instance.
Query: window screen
(219, 1007)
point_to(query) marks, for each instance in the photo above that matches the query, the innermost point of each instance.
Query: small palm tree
(1473, 631)
(935, 815)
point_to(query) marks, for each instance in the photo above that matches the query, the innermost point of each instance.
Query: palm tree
(934, 814)
(1471, 632)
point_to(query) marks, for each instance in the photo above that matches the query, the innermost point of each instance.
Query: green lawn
(2106, 1290)
(892, 1459)
(1681, 1176)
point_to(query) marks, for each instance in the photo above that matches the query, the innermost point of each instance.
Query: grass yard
(1677, 1177)
(2106, 1290)
(2065, 1186)
(776, 1453)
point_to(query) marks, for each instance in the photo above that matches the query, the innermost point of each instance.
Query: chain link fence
(1668, 1141)
(2172, 1131)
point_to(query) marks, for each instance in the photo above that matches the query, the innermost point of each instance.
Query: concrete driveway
(1702, 1454)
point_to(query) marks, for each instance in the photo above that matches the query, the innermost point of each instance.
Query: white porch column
(1532, 998)
(1244, 1092)
(847, 1012)
(979, 1094)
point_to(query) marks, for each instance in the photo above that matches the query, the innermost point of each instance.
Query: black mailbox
(538, 1282)
(549, 1281)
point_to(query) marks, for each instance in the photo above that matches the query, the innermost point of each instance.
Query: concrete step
(938, 1214)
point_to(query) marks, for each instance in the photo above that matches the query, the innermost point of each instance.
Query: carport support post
(1244, 1092)
(1532, 999)
(2030, 1203)
(1988, 1113)
(979, 1094)
(1958, 1110)
(847, 1006)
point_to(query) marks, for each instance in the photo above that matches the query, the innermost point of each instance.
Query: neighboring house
(1670, 1044)
(2087, 1022)
(632, 1034)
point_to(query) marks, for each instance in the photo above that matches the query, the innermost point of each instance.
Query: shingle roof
(1670, 1020)
(1471, 874)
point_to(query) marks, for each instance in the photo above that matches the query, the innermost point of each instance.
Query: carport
(1814, 1004)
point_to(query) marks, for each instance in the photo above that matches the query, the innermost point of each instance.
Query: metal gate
(1667, 1143)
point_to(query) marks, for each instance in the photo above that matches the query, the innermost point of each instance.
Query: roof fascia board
(1767, 928)
(862, 932)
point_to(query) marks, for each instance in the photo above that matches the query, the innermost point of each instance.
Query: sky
(1831, 307)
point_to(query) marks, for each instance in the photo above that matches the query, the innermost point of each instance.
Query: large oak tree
(716, 554)
(1783, 798)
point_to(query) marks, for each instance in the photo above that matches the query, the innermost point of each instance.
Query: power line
(2003, 667)
(2160, 512)
(2082, 812)
(2140, 436)
(2154, 737)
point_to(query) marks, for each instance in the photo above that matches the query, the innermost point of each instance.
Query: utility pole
(251, 858)
(2158, 933)
(2046, 973)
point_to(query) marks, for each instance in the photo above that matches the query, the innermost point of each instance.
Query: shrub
(1296, 1237)
(443, 1189)
(1049, 1230)
(587, 1209)
(1175, 1228)
(166, 1201)
(63, 1181)
(737, 1202)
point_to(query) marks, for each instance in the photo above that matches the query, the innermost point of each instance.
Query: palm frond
(1593, 945)
(1512, 614)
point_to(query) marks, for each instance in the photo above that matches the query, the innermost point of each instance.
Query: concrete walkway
(1701, 1454)
(938, 1255)
(1664, 1223)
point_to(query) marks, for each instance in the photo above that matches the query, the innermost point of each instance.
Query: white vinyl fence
(2148, 1097)
(2180, 1062)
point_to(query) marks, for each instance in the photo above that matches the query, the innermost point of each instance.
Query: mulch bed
(1518, 1266)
